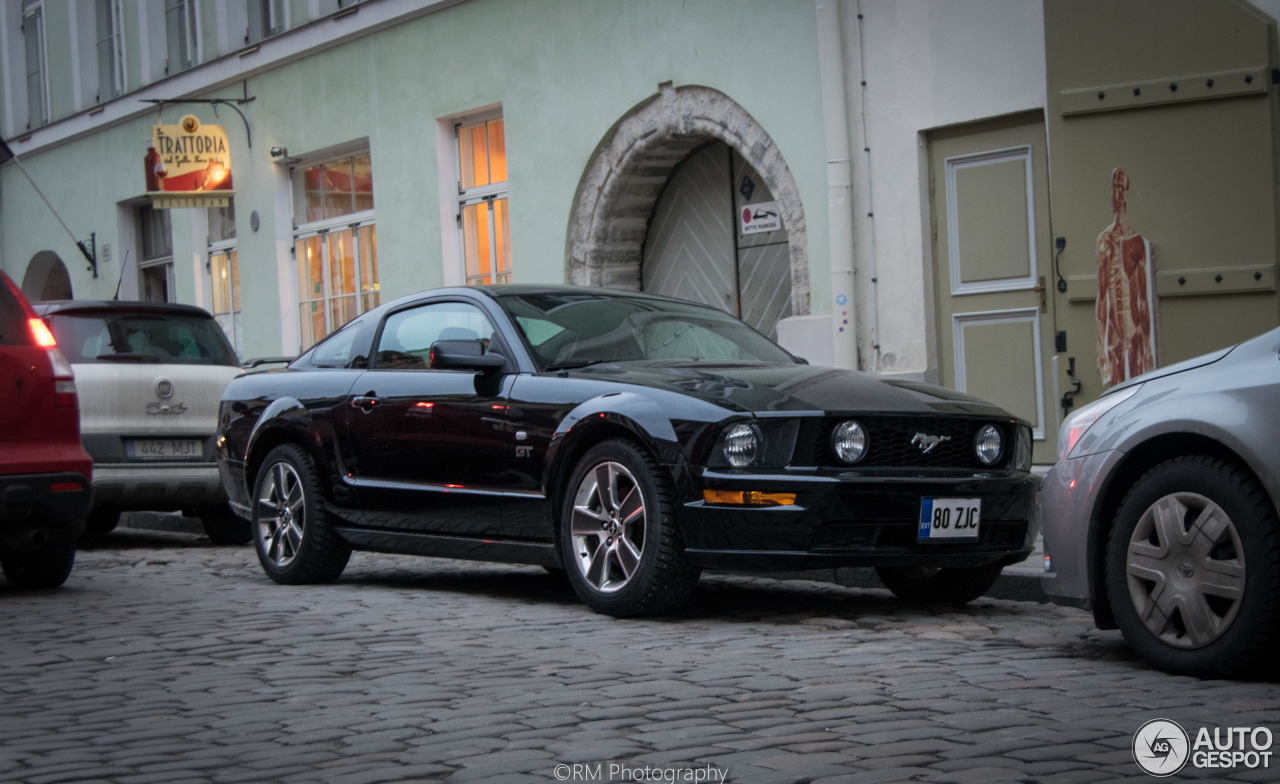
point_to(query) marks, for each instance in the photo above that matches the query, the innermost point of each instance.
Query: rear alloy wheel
(48, 567)
(291, 530)
(617, 535)
(1193, 569)
(934, 585)
(223, 526)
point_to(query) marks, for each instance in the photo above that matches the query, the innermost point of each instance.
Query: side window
(336, 350)
(407, 335)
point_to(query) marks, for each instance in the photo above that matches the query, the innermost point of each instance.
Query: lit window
(482, 201)
(336, 244)
(224, 273)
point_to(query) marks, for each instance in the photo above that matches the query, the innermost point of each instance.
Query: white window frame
(277, 19)
(116, 12)
(226, 247)
(33, 13)
(146, 265)
(471, 196)
(354, 221)
(189, 30)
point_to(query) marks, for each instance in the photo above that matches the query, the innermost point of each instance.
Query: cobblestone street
(167, 659)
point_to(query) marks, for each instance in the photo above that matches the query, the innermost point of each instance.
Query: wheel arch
(569, 447)
(285, 421)
(1137, 462)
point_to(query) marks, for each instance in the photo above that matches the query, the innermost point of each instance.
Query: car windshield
(574, 329)
(112, 335)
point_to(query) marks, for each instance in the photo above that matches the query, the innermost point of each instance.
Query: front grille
(889, 442)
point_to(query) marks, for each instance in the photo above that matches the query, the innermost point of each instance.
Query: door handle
(366, 402)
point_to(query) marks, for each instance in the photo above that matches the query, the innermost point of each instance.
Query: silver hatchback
(150, 376)
(1160, 515)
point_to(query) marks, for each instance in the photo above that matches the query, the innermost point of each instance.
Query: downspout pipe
(844, 322)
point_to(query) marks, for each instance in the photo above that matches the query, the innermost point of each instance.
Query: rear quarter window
(123, 336)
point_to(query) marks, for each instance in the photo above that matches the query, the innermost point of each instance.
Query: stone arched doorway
(46, 278)
(630, 169)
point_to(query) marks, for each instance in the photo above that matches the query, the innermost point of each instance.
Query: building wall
(926, 65)
(564, 72)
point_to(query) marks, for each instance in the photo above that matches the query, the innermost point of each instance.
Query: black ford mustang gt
(629, 439)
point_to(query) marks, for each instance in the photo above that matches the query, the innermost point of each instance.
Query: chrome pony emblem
(927, 442)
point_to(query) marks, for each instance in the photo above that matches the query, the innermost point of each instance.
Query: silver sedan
(1160, 515)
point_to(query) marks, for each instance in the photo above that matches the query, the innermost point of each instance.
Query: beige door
(992, 254)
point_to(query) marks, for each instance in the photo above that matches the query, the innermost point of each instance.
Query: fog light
(989, 444)
(741, 445)
(849, 440)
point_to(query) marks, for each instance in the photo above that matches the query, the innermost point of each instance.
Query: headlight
(1079, 423)
(989, 444)
(741, 445)
(849, 440)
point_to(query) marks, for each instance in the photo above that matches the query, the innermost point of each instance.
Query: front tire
(292, 535)
(102, 520)
(47, 567)
(1193, 569)
(618, 536)
(933, 585)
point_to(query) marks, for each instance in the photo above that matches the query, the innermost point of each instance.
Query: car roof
(131, 306)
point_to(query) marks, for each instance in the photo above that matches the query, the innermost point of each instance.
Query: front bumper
(1070, 495)
(848, 519)
(36, 509)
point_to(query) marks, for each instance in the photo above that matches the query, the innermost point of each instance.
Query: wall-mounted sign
(188, 165)
(760, 218)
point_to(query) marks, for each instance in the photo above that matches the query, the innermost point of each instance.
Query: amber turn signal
(748, 497)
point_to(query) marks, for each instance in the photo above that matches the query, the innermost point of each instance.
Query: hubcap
(280, 514)
(1186, 570)
(608, 527)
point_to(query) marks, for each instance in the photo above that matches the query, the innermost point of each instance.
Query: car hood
(762, 388)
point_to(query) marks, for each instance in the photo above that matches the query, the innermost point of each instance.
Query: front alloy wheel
(291, 529)
(618, 537)
(1193, 568)
(608, 526)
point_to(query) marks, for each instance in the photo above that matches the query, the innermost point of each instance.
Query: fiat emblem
(164, 387)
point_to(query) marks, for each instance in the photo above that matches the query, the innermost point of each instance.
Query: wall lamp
(279, 152)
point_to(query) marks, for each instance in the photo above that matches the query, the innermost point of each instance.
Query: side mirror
(464, 355)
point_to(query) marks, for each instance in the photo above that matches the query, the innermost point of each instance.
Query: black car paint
(511, 436)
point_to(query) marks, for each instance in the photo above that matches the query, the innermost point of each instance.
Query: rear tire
(102, 520)
(292, 535)
(48, 567)
(223, 526)
(932, 585)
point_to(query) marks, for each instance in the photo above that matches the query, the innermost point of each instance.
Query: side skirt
(401, 543)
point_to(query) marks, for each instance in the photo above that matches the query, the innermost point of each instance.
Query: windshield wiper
(574, 363)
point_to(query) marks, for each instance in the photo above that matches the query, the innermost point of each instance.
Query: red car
(45, 492)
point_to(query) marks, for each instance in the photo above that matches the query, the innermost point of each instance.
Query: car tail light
(40, 333)
(64, 384)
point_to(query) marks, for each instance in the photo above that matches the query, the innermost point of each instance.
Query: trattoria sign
(188, 165)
